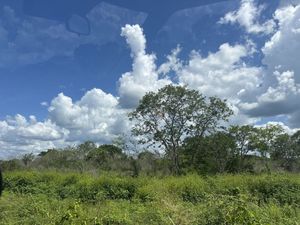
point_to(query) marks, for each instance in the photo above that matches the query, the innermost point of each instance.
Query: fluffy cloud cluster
(286, 87)
(222, 73)
(19, 135)
(96, 116)
(280, 95)
(283, 47)
(247, 16)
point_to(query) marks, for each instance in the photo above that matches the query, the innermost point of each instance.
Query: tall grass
(33, 197)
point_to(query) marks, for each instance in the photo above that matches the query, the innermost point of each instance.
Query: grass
(33, 197)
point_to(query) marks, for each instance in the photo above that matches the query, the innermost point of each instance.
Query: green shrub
(119, 189)
(228, 211)
(282, 191)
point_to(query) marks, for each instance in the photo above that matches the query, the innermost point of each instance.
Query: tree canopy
(174, 113)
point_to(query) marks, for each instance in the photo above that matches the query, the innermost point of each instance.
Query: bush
(282, 191)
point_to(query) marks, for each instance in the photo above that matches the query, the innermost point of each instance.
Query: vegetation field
(50, 197)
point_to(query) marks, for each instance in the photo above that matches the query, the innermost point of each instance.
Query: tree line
(190, 128)
(181, 131)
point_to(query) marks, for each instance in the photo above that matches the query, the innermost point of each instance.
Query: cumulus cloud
(20, 135)
(222, 73)
(276, 100)
(280, 95)
(285, 88)
(96, 116)
(282, 49)
(247, 16)
(144, 76)
(173, 63)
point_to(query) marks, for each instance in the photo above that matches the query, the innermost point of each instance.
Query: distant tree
(85, 148)
(222, 146)
(27, 158)
(128, 144)
(211, 154)
(66, 158)
(264, 141)
(148, 162)
(296, 149)
(287, 150)
(174, 113)
(243, 136)
(12, 164)
(296, 142)
(105, 156)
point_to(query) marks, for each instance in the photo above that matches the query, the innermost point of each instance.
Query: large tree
(287, 151)
(175, 113)
(243, 137)
(264, 141)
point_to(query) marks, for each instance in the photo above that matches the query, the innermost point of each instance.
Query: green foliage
(167, 117)
(282, 191)
(229, 210)
(10, 165)
(243, 137)
(211, 154)
(33, 197)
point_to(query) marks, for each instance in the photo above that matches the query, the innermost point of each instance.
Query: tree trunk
(175, 162)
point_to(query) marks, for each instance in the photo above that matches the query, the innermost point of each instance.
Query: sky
(70, 71)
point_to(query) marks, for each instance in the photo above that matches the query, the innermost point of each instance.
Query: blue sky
(60, 87)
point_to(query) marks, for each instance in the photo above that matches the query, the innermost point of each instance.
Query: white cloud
(286, 128)
(144, 76)
(279, 99)
(286, 87)
(247, 16)
(99, 116)
(173, 63)
(45, 104)
(19, 135)
(280, 95)
(96, 116)
(283, 47)
(222, 73)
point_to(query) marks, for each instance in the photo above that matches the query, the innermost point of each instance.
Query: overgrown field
(33, 197)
